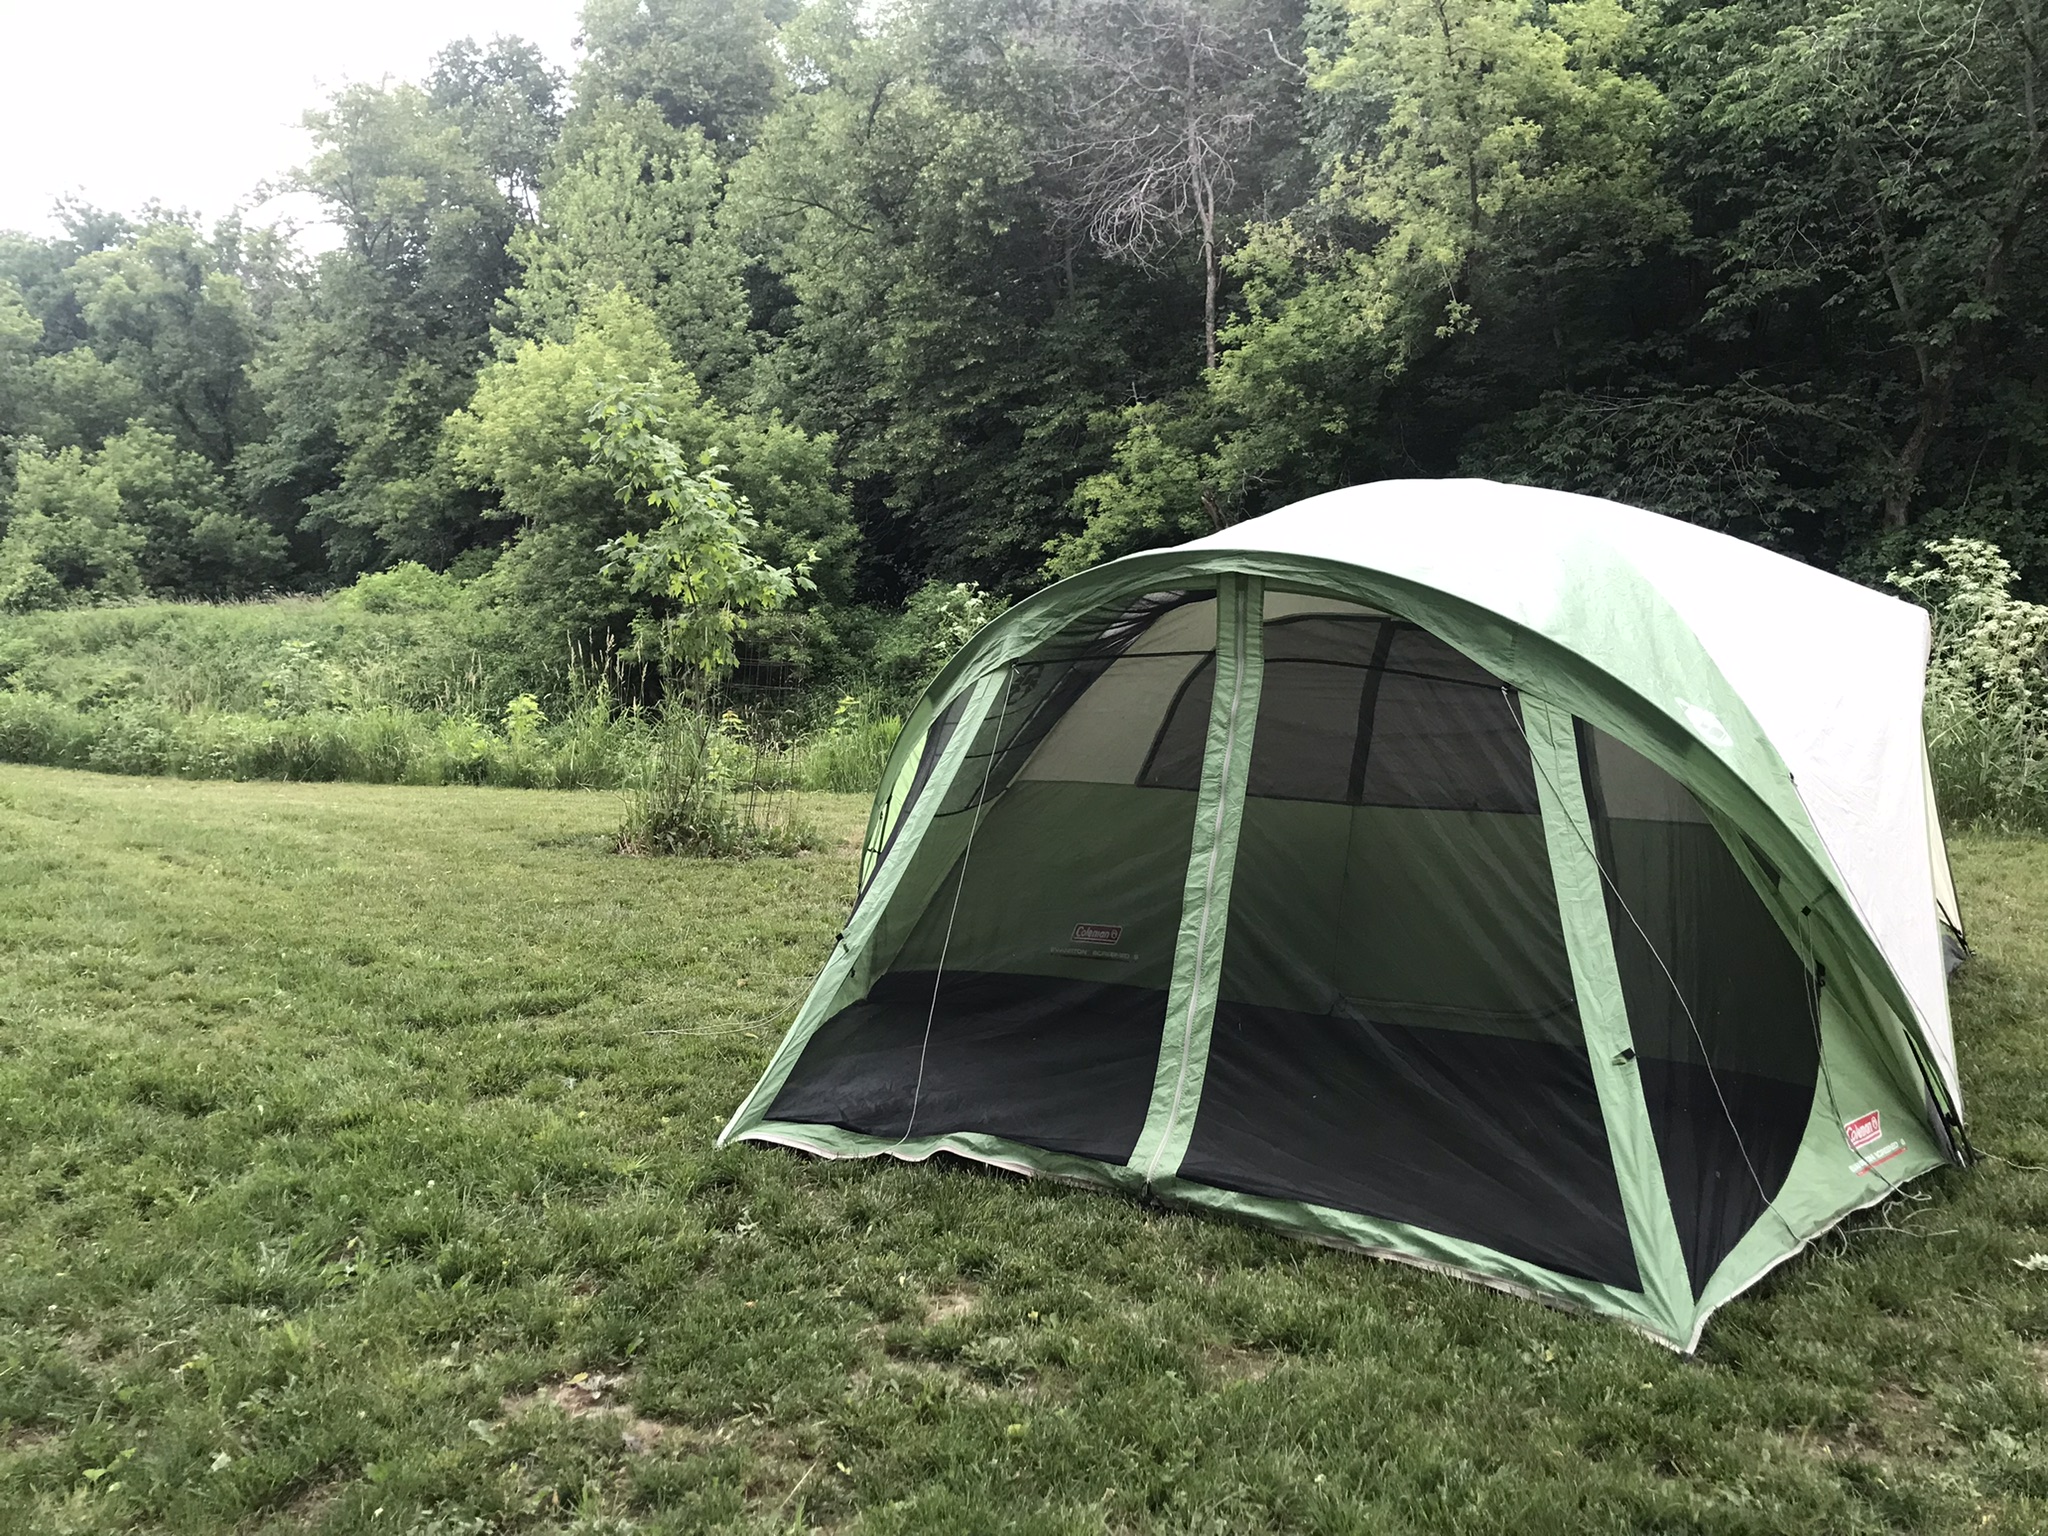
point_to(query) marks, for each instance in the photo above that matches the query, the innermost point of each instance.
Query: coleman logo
(1863, 1135)
(1098, 933)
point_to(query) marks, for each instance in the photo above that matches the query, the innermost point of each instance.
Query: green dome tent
(1493, 879)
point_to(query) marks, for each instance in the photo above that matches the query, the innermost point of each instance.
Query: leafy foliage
(1987, 684)
(698, 582)
(982, 291)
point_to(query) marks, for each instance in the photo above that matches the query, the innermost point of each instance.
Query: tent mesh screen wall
(1029, 997)
(1718, 1001)
(1395, 1033)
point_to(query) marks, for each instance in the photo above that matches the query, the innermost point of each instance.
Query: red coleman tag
(1865, 1137)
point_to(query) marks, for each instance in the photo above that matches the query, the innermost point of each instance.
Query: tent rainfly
(1503, 881)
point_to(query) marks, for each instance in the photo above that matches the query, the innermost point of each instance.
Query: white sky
(195, 103)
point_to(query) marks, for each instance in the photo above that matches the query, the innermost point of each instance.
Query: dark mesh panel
(943, 725)
(1397, 1033)
(1707, 946)
(1367, 710)
(1043, 950)
(1175, 761)
(1489, 1138)
(1060, 1064)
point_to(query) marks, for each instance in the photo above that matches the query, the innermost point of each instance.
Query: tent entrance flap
(1027, 993)
(1395, 1033)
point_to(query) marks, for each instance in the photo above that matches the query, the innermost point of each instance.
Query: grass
(326, 689)
(590, 747)
(356, 1176)
(289, 655)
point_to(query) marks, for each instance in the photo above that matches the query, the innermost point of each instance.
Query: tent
(1508, 882)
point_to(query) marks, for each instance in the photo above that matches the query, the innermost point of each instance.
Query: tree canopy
(986, 290)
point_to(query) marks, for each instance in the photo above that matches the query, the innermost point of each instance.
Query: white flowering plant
(1987, 684)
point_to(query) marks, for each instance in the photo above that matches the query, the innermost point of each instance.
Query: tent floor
(1486, 1137)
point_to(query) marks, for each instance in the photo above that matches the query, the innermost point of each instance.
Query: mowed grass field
(356, 1175)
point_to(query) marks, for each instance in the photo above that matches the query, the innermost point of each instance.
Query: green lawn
(356, 1175)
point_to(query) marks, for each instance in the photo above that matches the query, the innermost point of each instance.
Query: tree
(171, 310)
(195, 541)
(1492, 180)
(708, 64)
(1165, 103)
(697, 581)
(522, 442)
(65, 541)
(631, 206)
(374, 353)
(1910, 150)
(507, 102)
(926, 310)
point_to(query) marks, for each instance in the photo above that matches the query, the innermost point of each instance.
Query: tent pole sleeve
(846, 953)
(1205, 900)
(1603, 1015)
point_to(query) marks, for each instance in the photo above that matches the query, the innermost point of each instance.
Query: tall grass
(848, 755)
(286, 656)
(591, 749)
(360, 687)
(1990, 768)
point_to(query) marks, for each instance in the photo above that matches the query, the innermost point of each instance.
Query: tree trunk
(1209, 295)
(1935, 395)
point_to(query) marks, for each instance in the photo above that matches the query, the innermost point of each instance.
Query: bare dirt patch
(596, 1395)
(306, 1507)
(949, 1305)
(27, 1439)
(1898, 1423)
(1229, 1363)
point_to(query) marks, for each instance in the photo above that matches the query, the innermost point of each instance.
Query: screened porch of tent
(1395, 1030)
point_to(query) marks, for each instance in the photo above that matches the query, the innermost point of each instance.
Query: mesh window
(1396, 1032)
(936, 738)
(1049, 892)
(1717, 1001)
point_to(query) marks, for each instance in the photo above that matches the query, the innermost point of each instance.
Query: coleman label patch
(1096, 941)
(1863, 1135)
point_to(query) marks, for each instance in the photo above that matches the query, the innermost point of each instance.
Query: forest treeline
(981, 291)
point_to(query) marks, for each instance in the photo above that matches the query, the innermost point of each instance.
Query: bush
(709, 791)
(408, 587)
(1987, 692)
(939, 618)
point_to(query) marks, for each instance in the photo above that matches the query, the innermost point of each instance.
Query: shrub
(1987, 692)
(709, 791)
(408, 587)
(939, 618)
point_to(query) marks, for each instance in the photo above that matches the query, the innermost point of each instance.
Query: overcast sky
(195, 103)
